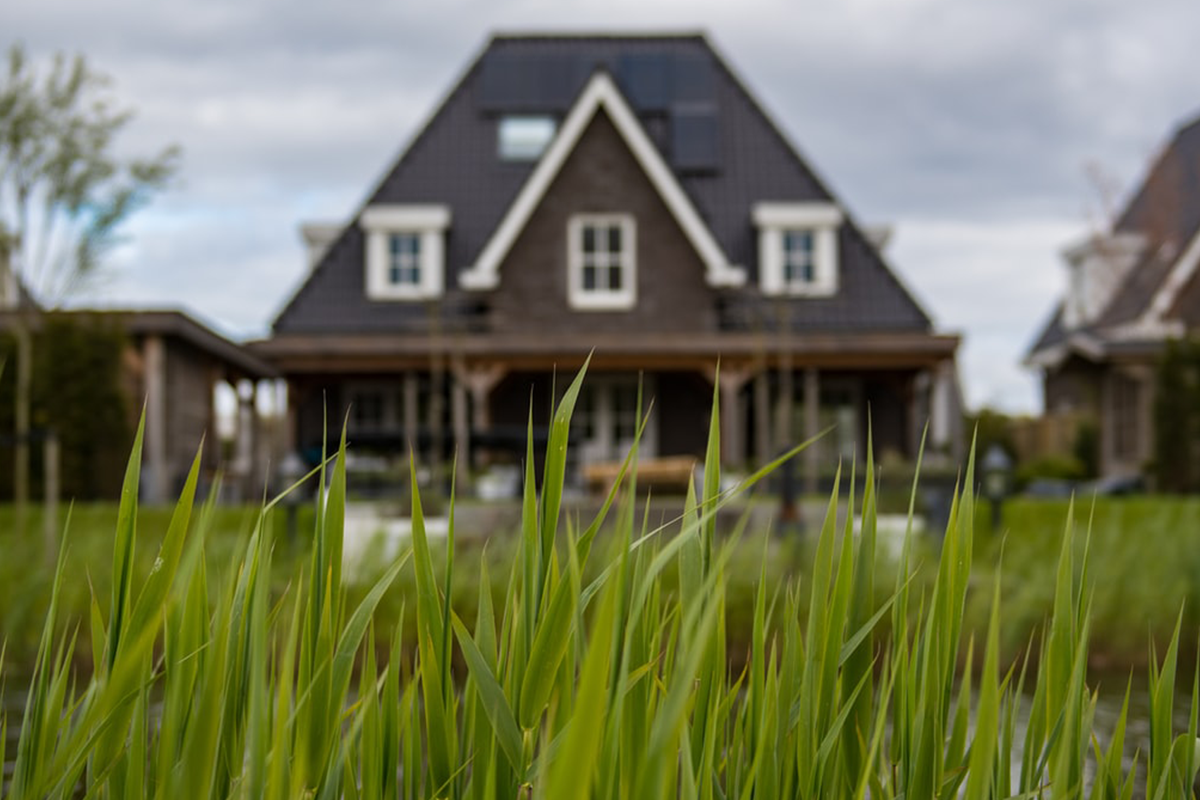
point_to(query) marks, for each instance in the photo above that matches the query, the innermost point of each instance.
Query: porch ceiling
(324, 353)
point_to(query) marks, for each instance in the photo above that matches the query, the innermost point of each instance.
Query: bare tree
(64, 193)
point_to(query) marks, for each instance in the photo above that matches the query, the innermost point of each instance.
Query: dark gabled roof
(1165, 212)
(1052, 332)
(1137, 290)
(1166, 206)
(453, 161)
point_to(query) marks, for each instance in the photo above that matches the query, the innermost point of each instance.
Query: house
(1129, 290)
(628, 198)
(170, 368)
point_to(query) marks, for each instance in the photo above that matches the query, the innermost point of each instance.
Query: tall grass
(593, 677)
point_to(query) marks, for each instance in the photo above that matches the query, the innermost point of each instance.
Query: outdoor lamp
(291, 469)
(997, 479)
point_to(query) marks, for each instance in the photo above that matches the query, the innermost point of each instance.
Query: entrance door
(606, 419)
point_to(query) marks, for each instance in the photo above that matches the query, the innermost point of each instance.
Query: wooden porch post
(411, 399)
(462, 443)
(476, 382)
(762, 417)
(155, 361)
(731, 381)
(812, 421)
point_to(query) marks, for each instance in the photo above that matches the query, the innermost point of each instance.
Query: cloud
(969, 124)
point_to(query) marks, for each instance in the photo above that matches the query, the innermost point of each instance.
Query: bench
(667, 472)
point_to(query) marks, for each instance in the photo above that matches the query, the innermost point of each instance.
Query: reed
(603, 671)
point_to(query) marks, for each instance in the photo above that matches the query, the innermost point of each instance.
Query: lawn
(198, 651)
(1144, 560)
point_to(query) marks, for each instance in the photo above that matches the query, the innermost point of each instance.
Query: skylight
(524, 138)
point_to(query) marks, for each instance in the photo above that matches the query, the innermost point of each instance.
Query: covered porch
(477, 402)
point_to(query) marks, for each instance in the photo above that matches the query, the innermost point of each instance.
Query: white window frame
(822, 221)
(602, 299)
(428, 223)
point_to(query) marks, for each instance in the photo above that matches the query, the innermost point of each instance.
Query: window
(368, 410)
(601, 261)
(404, 259)
(799, 262)
(798, 248)
(405, 251)
(524, 138)
(607, 416)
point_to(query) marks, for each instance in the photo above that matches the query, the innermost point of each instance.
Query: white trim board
(601, 92)
(1166, 294)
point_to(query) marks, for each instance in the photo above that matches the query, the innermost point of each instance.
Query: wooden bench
(667, 472)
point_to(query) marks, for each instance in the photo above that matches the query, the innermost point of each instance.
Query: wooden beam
(155, 359)
(812, 421)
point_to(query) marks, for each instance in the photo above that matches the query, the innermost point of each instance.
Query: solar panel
(695, 138)
(645, 78)
(527, 82)
(693, 79)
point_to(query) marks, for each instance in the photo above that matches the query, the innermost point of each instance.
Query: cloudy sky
(976, 127)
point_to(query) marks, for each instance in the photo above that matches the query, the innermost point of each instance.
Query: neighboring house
(174, 364)
(171, 368)
(1128, 291)
(625, 197)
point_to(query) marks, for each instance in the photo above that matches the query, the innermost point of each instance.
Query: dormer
(798, 248)
(405, 251)
(1096, 269)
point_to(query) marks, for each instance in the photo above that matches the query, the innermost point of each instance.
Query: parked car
(1116, 486)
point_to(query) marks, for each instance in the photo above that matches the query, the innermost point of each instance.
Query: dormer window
(404, 260)
(602, 261)
(523, 138)
(798, 248)
(799, 259)
(405, 251)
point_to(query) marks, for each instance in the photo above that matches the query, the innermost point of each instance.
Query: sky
(990, 134)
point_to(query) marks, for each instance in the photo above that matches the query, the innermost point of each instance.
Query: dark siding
(602, 175)
(189, 398)
(683, 401)
(1074, 386)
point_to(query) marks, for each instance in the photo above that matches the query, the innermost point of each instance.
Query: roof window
(524, 138)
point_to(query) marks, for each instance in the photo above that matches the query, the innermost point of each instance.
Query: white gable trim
(1177, 278)
(601, 92)
(1080, 343)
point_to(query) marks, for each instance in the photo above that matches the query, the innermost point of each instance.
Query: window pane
(394, 275)
(404, 245)
(797, 242)
(589, 239)
(524, 138)
(614, 278)
(614, 239)
(589, 278)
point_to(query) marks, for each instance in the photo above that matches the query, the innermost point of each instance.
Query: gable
(744, 159)
(602, 176)
(601, 94)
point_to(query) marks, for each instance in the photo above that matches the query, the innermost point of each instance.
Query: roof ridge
(612, 35)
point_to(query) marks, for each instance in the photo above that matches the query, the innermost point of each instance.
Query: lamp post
(291, 470)
(997, 480)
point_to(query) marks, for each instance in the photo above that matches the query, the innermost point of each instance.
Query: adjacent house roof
(722, 151)
(1160, 294)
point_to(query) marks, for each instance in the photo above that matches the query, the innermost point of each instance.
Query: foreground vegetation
(603, 671)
